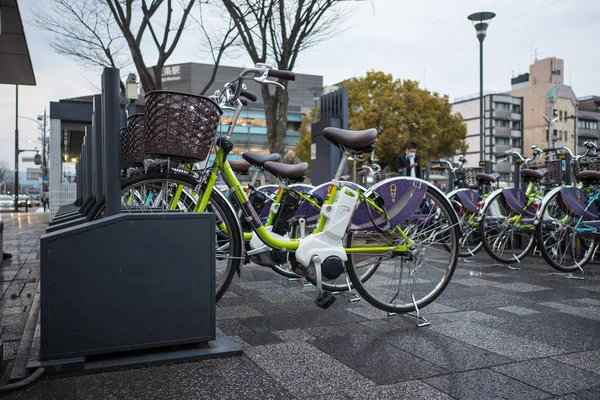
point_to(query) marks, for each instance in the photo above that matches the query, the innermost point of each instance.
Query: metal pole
(111, 140)
(481, 115)
(44, 166)
(550, 134)
(16, 148)
(97, 157)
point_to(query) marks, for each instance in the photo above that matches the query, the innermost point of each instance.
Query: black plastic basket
(554, 174)
(180, 126)
(467, 177)
(585, 164)
(132, 142)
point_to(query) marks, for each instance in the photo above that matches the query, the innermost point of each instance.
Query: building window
(517, 108)
(587, 124)
(560, 115)
(502, 124)
(503, 106)
(516, 124)
(517, 142)
(502, 141)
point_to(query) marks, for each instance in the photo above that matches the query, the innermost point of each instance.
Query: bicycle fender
(515, 198)
(232, 209)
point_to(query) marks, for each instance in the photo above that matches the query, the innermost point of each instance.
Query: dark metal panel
(75, 111)
(111, 140)
(111, 285)
(15, 63)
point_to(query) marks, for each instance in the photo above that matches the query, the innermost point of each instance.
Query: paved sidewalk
(495, 333)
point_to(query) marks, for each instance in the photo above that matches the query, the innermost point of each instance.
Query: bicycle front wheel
(164, 192)
(506, 235)
(470, 241)
(402, 282)
(561, 236)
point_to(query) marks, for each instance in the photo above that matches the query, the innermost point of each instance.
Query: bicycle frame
(221, 165)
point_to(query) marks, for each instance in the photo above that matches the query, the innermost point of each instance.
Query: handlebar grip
(501, 156)
(281, 74)
(549, 149)
(243, 101)
(249, 95)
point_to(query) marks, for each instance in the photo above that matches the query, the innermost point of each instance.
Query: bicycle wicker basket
(467, 177)
(132, 142)
(554, 174)
(180, 126)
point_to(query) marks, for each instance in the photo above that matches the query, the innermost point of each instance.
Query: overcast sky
(428, 41)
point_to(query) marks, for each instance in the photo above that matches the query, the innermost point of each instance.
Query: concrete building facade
(503, 128)
(588, 121)
(543, 91)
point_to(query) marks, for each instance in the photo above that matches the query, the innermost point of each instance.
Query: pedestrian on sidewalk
(45, 201)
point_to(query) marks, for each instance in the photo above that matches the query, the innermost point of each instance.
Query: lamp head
(481, 20)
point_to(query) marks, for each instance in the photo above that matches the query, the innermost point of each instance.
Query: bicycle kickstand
(324, 298)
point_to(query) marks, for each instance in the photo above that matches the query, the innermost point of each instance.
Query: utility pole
(44, 166)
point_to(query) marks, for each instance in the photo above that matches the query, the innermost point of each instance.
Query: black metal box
(126, 282)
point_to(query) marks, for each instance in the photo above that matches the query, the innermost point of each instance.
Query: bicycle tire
(218, 204)
(494, 227)
(443, 219)
(467, 232)
(555, 232)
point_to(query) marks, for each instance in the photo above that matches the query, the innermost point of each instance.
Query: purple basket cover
(515, 198)
(469, 199)
(576, 201)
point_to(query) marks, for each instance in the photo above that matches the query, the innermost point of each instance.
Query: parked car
(36, 199)
(7, 202)
(25, 200)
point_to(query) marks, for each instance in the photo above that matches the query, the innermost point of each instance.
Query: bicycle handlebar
(282, 74)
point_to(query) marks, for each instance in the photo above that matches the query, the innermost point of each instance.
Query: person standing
(409, 161)
(44, 201)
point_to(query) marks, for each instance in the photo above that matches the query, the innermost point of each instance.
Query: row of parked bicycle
(397, 243)
(560, 221)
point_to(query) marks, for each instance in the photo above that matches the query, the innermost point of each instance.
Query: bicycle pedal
(325, 300)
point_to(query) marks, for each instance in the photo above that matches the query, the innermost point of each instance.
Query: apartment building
(543, 91)
(588, 115)
(503, 126)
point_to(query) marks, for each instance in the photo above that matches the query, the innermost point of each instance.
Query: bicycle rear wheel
(163, 192)
(503, 239)
(562, 244)
(401, 282)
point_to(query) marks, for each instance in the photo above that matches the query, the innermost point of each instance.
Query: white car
(7, 202)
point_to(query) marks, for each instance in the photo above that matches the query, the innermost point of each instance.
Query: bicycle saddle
(287, 171)
(259, 160)
(589, 176)
(533, 173)
(240, 166)
(488, 177)
(360, 141)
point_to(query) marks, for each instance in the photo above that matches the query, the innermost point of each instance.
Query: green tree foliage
(302, 148)
(402, 112)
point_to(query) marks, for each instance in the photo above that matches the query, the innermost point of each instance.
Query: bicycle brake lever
(262, 79)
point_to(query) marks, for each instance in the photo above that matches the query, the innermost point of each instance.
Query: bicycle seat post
(341, 166)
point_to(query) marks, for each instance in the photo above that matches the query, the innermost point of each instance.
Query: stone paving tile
(588, 360)
(368, 312)
(518, 310)
(521, 287)
(495, 341)
(546, 333)
(47, 390)
(550, 375)
(474, 303)
(588, 394)
(293, 334)
(473, 281)
(282, 295)
(236, 312)
(443, 351)
(305, 370)
(484, 384)
(382, 363)
(585, 312)
(414, 390)
(301, 320)
(380, 325)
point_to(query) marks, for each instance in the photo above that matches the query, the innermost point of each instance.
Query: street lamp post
(481, 21)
